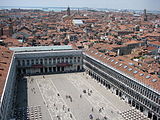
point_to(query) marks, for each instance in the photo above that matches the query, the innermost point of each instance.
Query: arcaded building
(132, 85)
(135, 87)
(21, 61)
(47, 59)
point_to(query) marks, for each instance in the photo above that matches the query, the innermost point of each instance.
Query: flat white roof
(41, 48)
(77, 22)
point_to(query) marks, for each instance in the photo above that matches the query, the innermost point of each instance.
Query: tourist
(80, 96)
(90, 116)
(92, 109)
(105, 117)
(70, 115)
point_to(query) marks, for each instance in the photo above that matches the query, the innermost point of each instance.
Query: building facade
(8, 95)
(127, 88)
(49, 62)
(35, 61)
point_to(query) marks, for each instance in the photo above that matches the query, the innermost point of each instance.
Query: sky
(115, 4)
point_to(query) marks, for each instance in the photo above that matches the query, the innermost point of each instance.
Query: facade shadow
(21, 104)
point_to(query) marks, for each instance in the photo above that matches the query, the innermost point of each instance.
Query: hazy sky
(118, 4)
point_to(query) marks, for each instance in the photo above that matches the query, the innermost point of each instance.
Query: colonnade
(127, 98)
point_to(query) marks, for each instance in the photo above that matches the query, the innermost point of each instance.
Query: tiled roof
(149, 80)
(5, 59)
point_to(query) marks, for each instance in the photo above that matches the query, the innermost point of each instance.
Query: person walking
(92, 109)
(70, 115)
(91, 116)
(80, 96)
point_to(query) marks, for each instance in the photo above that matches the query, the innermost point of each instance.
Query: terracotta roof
(12, 42)
(151, 48)
(5, 59)
(155, 43)
(133, 42)
(126, 68)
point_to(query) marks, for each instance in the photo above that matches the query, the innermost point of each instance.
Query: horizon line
(81, 7)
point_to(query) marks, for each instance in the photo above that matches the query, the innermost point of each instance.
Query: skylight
(120, 64)
(130, 69)
(125, 66)
(141, 74)
(135, 72)
(112, 60)
(131, 64)
(148, 76)
(154, 80)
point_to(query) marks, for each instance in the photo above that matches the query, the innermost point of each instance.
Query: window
(41, 61)
(23, 62)
(74, 59)
(45, 61)
(50, 60)
(32, 61)
(71, 60)
(19, 62)
(79, 59)
(36, 61)
(58, 60)
(62, 59)
(66, 60)
(27, 62)
(54, 60)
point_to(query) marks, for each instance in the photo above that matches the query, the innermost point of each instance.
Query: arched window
(50, 60)
(58, 60)
(27, 62)
(36, 61)
(45, 60)
(41, 61)
(19, 62)
(23, 62)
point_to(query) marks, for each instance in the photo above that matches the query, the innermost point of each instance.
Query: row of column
(122, 95)
(28, 62)
(51, 69)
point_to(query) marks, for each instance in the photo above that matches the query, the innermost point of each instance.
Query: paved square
(69, 96)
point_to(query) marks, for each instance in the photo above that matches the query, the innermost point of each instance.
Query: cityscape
(79, 63)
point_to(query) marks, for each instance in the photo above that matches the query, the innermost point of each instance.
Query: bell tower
(68, 11)
(145, 15)
(10, 27)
